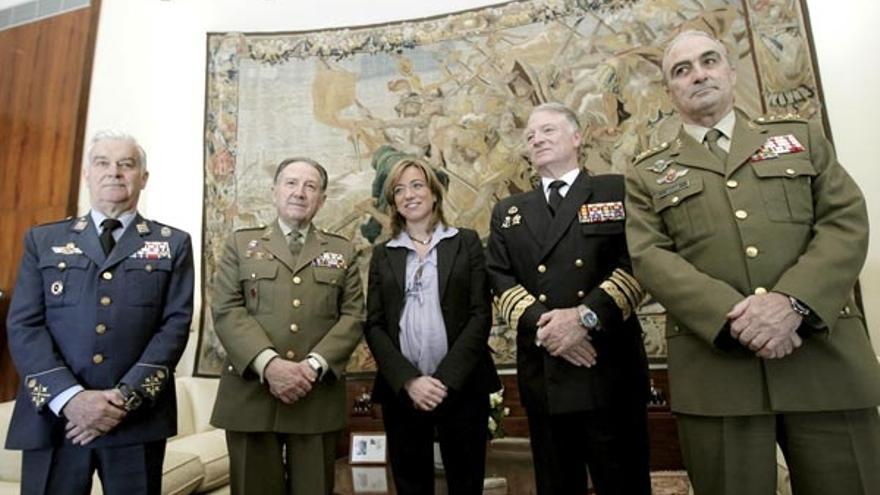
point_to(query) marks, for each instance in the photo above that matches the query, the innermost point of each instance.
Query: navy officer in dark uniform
(99, 318)
(561, 276)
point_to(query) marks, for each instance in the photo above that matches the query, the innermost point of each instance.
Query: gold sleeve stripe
(513, 303)
(519, 309)
(630, 286)
(625, 290)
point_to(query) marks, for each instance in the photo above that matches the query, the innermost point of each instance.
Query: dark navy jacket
(78, 317)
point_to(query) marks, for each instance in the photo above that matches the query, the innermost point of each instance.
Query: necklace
(423, 243)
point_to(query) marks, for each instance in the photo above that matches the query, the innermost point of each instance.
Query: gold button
(542, 268)
(578, 262)
(580, 294)
(98, 359)
(294, 327)
(846, 310)
(32, 383)
(542, 298)
(105, 301)
(296, 303)
(270, 256)
(752, 252)
(297, 280)
(790, 171)
(732, 184)
(107, 276)
(148, 268)
(230, 368)
(290, 354)
(253, 275)
(160, 374)
(62, 265)
(759, 291)
(741, 214)
(100, 328)
(675, 200)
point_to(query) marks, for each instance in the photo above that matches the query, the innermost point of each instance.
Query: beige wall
(846, 38)
(149, 81)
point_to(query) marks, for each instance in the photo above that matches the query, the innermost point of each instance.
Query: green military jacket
(264, 298)
(703, 235)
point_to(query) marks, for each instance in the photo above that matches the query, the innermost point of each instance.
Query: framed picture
(369, 479)
(367, 448)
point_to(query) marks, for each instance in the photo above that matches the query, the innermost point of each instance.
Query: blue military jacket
(80, 317)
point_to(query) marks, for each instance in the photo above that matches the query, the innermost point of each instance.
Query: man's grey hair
(561, 109)
(111, 135)
(322, 172)
(722, 48)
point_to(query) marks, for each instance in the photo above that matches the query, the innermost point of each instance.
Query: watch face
(589, 319)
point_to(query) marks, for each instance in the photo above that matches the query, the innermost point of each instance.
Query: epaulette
(650, 152)
(53, 222)
(788, 117)
(261, 226)
(334, 234)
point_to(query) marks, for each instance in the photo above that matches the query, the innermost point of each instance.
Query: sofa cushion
(9, 488)
(210, 447)
(182, 473)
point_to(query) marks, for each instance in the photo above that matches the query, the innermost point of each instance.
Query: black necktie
(106, 237)
(555, 197)
(712, 138)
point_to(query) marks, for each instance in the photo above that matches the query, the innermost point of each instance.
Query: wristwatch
(132, 397)
(313, 363)
(799, 307)
(589, 319)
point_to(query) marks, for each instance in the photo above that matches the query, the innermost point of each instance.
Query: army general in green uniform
(288, 306)
(752, 236)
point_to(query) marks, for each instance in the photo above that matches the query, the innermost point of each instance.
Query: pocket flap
(675, 194)
(257, 271)
(63, 262)
(163, 265)
(784, 167)
(326, 275)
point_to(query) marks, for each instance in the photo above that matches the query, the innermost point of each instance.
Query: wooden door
(44, 87)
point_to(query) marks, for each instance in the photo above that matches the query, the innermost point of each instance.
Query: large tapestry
(457, 91)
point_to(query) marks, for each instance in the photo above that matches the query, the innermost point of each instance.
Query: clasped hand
(766, 324)
(426, 392)
(289, 381)
(92, 413)
(561, 333)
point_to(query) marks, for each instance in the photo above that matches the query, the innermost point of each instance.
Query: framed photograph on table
(369, 479)
(367, 448)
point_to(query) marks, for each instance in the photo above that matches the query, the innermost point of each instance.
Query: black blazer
(561, 262)
(465, 303)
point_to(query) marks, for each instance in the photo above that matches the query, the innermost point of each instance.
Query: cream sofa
(196, 460)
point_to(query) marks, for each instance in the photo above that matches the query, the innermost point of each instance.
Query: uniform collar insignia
(142, 228)
(81, 224)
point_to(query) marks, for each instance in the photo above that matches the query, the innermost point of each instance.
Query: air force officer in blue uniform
(99, 318)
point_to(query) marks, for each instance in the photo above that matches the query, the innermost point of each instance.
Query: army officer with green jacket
(288, 306)
(752, 236)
